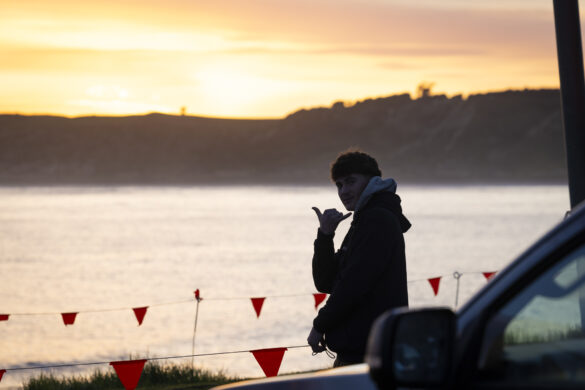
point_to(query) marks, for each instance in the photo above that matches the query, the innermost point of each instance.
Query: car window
(538, 337)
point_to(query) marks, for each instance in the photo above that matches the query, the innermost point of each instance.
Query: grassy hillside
(512, 136)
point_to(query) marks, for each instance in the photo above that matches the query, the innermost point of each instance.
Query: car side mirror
(411, 348)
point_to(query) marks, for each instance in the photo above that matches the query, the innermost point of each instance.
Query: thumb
(345, 217)
(317, 211)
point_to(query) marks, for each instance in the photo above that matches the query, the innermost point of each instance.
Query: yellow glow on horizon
(230, 87)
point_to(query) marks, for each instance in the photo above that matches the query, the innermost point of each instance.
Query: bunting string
(269, 359)
(66, 365)
(257, 302)
(101, 310)
(129, 371)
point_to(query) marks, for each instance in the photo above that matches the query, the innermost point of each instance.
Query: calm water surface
(103, 251)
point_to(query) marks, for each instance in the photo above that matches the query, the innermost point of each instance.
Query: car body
(348, 377)
(524, 329)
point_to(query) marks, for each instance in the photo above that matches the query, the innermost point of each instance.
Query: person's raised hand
(329, 219)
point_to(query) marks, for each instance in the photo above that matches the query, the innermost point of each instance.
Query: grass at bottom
(156, 376)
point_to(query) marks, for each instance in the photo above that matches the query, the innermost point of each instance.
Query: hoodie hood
(377, 185)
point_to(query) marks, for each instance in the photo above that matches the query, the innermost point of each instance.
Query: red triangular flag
(257, 303)
(68, 318)
(129, 372)
(197, 295)
(319, 297)
(269, 359)
(488, 275)
(435, 284)
(4, 317)
(140, 312)
(2, 374)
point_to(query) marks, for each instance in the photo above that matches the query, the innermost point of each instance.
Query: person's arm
(325, 262)
(373, 244)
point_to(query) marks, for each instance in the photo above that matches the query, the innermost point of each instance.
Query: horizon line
(346, 104)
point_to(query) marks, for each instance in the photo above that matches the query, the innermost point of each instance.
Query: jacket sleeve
(373, 244)
(325, 263)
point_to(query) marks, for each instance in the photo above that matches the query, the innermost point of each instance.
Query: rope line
(103, 310)
(456, 275)
(155, 358)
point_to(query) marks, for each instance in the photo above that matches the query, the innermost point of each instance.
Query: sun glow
(232, 88)
(107, 92)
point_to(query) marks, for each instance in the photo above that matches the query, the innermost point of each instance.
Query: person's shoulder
(385, 210)
(376, 220)
(383, 206)
(377, 215)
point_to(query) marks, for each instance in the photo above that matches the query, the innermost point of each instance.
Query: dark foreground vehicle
(524, 330)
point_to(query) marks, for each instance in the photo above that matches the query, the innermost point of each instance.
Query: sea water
(102, 251)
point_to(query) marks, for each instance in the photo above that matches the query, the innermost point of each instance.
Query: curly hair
(354, 161)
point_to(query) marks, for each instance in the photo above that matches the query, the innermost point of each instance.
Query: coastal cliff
(498, 137)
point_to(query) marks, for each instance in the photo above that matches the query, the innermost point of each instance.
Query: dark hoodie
(367, 276)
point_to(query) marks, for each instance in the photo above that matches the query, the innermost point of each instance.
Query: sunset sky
(262, 58)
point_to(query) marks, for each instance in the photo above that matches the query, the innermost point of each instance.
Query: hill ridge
(510, 136)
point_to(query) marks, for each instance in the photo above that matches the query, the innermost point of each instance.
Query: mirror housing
(411, 348)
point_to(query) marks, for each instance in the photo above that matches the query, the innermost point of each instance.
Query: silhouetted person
(367, 275)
